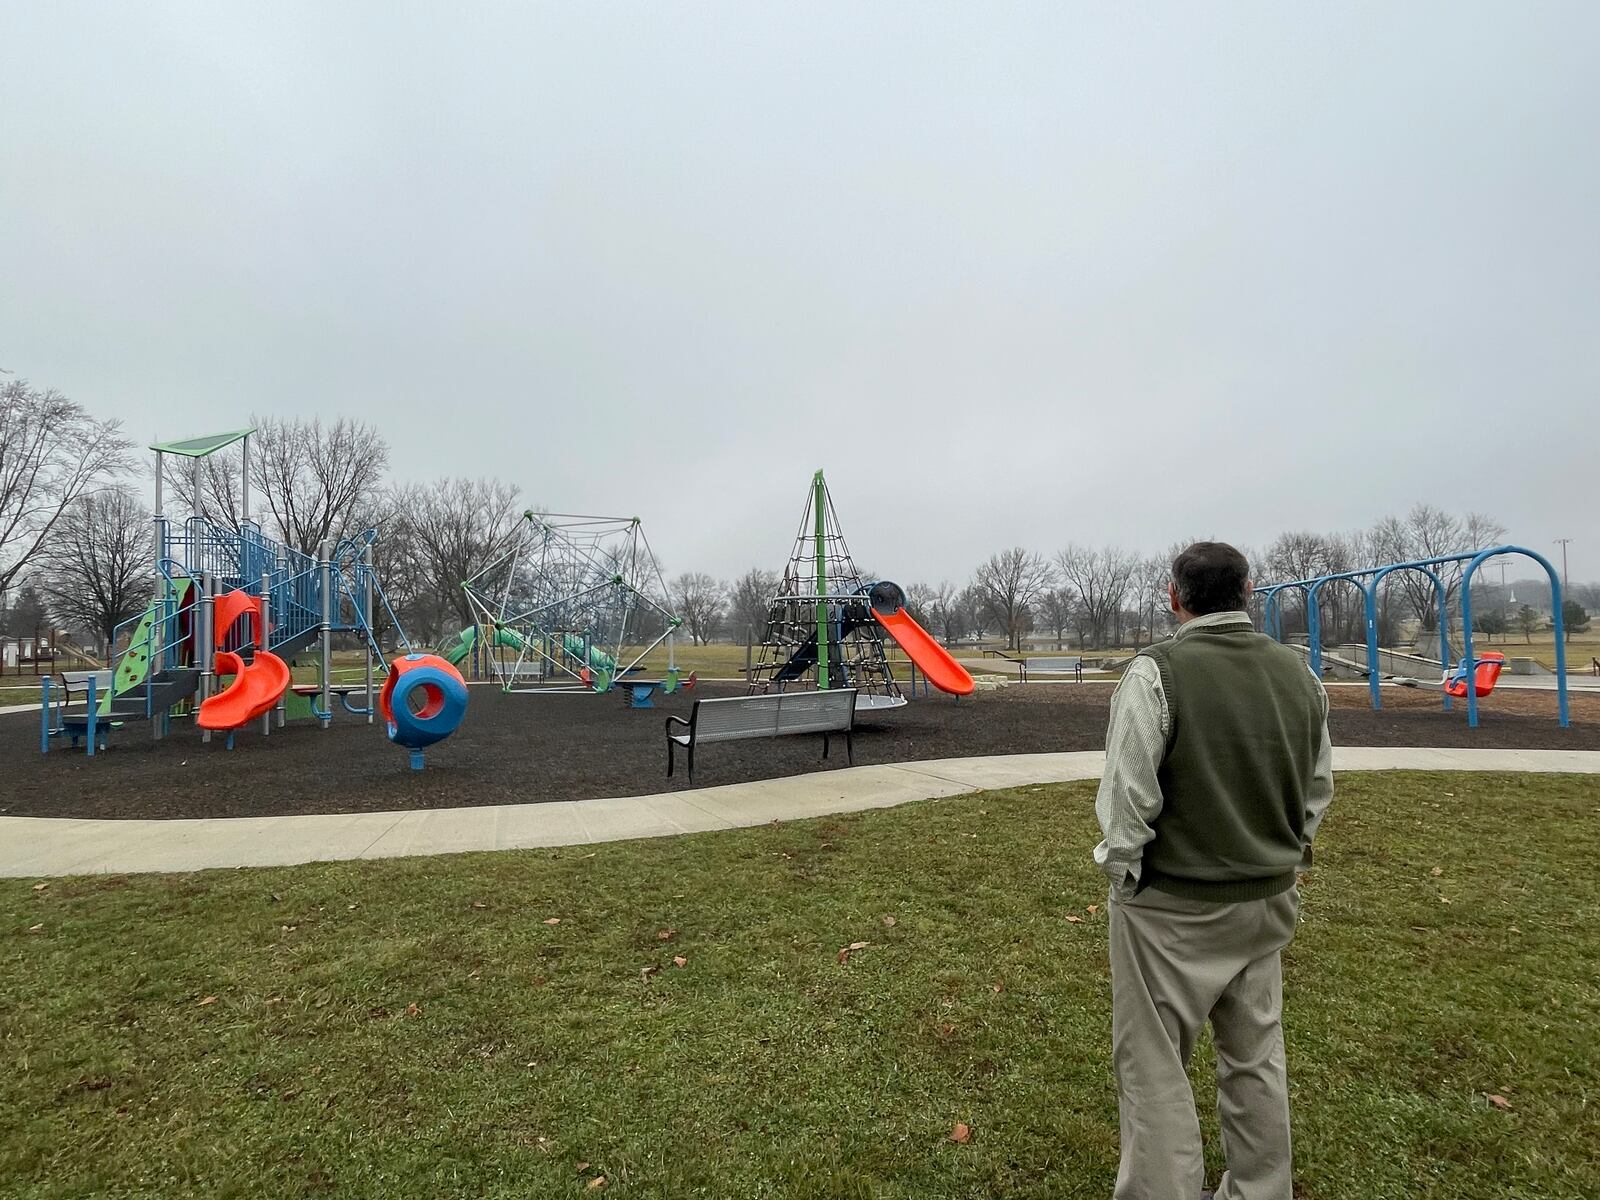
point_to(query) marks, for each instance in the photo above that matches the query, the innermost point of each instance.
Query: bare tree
(1058, 607)
(973, 606)
(1010, 582)
(439, 535)
(1149, 592)
(1101, 578)
(944, 610)
(1429, 532)
(95, 572)
(316, 478)
(920, 602)
(699, 599)
(748, 601)
(52, 452)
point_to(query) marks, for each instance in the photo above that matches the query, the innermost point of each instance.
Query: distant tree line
(76, 546)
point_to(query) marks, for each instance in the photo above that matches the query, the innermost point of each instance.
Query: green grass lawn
(423, 1028)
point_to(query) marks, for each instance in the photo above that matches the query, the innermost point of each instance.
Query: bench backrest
(735, 717)
(1056, 664)
(76, 683)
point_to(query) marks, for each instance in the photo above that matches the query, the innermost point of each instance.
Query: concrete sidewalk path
(39, 846)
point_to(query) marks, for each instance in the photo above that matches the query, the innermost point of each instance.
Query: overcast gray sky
(1011, 273)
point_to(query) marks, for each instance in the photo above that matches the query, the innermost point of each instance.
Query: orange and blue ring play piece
(422, 702)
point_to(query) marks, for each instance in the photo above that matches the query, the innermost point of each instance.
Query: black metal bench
(1070, 665)
(1059, 665)
(775, 714)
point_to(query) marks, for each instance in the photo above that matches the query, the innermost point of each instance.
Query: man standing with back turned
(1218, 772)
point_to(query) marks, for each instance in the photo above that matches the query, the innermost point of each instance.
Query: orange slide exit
(932, 659)
(256, 685)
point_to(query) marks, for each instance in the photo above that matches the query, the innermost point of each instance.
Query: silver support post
(325, 578)
(263, 639)
(206, 617)
(366, 617)
(244, 482)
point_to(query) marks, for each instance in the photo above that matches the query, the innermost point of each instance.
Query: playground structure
(1483, 671)
(826, 624)
(233, 604)
(574, 605)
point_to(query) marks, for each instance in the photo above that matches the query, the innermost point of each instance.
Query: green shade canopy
(202, 446)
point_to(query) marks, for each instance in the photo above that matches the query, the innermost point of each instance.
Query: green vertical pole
(819, 501)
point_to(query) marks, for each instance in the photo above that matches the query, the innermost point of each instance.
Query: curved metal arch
(1441, 593)
(1271, 611)
(1469, 661)
(1314, 613)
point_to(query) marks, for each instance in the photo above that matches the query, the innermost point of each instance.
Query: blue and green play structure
(601, 665)
(189, 651)
(133, 667)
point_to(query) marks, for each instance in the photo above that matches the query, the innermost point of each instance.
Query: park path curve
(40, 846)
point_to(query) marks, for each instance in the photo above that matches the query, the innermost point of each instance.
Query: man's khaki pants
(1175, 963)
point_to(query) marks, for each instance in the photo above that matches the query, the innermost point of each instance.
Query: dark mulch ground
(527, 749)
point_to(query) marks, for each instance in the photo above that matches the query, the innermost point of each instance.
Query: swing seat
(1485, 677)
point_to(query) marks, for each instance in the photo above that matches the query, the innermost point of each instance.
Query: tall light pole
(1562, 542)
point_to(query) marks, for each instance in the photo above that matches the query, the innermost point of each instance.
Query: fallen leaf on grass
(996, 988)
(1074, 919)
(413, 1010)
(583, 1166)
(552, 920)
(890, 921)
(646, 972)
(961, 1134)
(1446, 900)
(665, 935)
(1499, 1101)
(39, 887)
(1092, 909)
(479, 904)
(1436, 872)
(859, 945)
(39, 928)
(679, 960)
(599, 1181)
(206, 1001)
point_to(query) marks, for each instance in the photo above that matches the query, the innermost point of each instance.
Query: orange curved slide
(932, 659)
(255, 689)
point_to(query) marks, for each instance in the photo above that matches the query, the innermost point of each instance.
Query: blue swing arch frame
(1368, 579)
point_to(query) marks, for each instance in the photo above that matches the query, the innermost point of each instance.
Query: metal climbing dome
(573, 604)
(824, 602)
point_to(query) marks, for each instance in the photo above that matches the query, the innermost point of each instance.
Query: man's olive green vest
(1246, 721)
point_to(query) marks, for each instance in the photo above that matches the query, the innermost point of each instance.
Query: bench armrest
(671, 721)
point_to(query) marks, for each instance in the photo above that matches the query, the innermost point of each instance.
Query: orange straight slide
(255, 689)
(932, 659)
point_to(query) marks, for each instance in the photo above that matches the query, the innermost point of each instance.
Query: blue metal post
(1314, 626)
(1369, 589)
(44, 715)
(90, 725)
